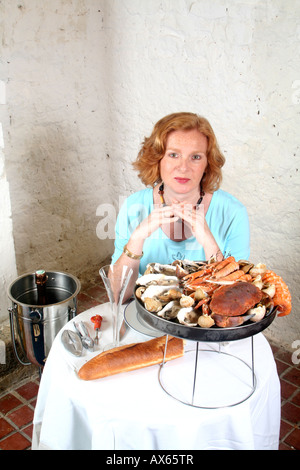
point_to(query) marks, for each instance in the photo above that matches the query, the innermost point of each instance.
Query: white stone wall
(8, 268)
(87, 79)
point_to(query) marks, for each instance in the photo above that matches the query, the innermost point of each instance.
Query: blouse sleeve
(237, 240)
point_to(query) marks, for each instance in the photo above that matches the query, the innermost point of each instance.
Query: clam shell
(188, 316)
(152, 304)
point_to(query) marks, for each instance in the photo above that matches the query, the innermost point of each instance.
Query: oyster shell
(170, 310)
(155, 290)
(185, 266)
(158, 268)
(156, 279)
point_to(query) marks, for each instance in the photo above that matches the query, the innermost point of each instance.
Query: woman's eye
(173, 155)
(197, 157)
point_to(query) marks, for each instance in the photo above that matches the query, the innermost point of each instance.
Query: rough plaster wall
(56, 133)
(85, 86)
(8, 268)
(237, 63)
(7, 252)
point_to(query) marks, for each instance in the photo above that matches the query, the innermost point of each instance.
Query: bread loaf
(130, 357)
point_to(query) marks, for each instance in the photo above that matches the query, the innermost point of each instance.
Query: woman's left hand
(193, 217)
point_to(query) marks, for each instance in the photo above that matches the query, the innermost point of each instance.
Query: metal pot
(37, 325)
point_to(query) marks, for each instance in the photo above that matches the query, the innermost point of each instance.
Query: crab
(229, 303)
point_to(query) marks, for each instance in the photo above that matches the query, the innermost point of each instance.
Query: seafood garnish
(188, 316)
(171, 294)
(152, 304)
(200, 294)
(223, 293)
(205, 321)
(260, 268)
(245, 265)
(282, 297)
(139, 292)
(270, 290)
(160, 279)
(181, 272)
(225, 321)
(157, 268)
(155, 290)
(170, 310)
(186, 301)
(187, 264)
(258, 281)
(259, 312)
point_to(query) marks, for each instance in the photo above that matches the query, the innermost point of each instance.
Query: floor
(17, 404)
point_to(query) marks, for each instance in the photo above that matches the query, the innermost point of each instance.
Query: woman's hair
(153, 150)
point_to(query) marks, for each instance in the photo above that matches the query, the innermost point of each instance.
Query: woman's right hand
(159, 216)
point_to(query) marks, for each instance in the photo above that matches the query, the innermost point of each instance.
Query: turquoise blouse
(226, 217)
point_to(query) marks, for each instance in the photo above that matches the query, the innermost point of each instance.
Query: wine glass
(115, 281)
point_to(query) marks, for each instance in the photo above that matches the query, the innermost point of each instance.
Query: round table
(131, 410)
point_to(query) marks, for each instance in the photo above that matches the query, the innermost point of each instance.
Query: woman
(182, 214)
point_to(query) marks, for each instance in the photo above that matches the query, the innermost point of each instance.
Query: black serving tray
(213, 334)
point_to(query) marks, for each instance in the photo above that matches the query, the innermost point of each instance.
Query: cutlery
(97, 336)
(72, 342)
(87, 341)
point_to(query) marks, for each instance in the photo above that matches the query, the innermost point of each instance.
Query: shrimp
(282, 297)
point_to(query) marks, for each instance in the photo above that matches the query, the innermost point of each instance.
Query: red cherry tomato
(97, 320)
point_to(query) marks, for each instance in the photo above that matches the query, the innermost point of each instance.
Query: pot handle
(72, 312)
(12, 330)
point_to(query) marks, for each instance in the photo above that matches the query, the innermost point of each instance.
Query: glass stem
(116, 337)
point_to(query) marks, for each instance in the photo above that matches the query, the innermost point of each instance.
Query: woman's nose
(183, 163)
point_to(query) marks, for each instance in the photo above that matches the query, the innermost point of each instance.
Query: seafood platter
(211, 301)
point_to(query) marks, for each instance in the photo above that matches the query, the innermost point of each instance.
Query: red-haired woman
(182, 213)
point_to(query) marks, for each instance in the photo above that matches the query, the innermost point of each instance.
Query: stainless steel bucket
(35, 326)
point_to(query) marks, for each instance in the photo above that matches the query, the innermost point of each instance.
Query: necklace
(162, 200)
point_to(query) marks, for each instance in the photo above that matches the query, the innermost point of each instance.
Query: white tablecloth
(132, 411)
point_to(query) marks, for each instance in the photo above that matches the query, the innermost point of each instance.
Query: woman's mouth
(182, 180)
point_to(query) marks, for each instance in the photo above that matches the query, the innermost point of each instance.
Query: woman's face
(184, 161)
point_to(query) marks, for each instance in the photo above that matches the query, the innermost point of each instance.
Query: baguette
(130, 357)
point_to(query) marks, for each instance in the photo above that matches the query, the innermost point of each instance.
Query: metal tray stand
(208, 335)
(190, 397)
